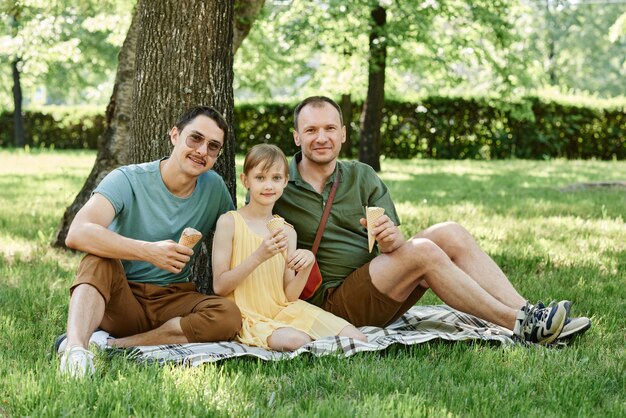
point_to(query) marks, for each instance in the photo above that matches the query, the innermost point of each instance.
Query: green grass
(552, 244)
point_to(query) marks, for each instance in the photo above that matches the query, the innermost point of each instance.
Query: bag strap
(329, 203)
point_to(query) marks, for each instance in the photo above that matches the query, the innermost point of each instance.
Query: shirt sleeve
(227, 201)
(381, 197)
(116, 188)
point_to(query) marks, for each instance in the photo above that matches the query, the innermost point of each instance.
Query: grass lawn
(552, 244)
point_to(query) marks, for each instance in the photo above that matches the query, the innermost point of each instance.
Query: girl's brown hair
(265, 155)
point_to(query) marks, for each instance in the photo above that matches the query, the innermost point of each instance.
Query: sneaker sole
(574, 333)
(57, 343)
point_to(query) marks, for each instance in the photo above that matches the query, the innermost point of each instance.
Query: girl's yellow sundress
(262, 300)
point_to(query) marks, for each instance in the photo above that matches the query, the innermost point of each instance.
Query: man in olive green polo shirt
(376, 288)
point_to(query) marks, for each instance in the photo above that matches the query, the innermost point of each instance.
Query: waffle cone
(273, 225)
(190, 237)
(372, 214)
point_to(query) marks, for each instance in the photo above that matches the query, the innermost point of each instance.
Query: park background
(507, 116)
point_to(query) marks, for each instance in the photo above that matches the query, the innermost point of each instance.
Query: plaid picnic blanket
(420, 324)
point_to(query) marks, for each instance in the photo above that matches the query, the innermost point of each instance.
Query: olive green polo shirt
(343, 248)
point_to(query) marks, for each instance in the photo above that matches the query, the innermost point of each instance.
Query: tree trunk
(371, 116)
(113, 147)
(176, 69)
(18, 117)
(246, 12)
(346, 110)
(114, 142)
(551, 41)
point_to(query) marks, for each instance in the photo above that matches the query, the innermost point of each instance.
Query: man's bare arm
(88, 233)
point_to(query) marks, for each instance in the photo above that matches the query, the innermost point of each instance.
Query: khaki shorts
(133, 308)
(357, 301)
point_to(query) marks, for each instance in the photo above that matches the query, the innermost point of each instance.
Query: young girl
(263, 272)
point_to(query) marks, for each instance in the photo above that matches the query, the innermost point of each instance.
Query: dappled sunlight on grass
(208, 386)
(16, 249)
(396, 176)
(11, 247)
(45, 161)
(551, 244)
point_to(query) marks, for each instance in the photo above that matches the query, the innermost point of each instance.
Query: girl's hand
(273, 244)
(300, 259)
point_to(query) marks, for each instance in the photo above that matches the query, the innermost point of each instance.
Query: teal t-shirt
(146, 210)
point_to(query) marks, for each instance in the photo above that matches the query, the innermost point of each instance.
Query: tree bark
(246, 12)
(346, 110)
(114, 142)
(113, 146)
(18, 116)
(184, 57)
(551, 41)
(371, 116)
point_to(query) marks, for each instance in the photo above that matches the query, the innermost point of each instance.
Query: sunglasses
(214, 148)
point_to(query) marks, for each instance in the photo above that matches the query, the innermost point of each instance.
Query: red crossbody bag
(315, 277)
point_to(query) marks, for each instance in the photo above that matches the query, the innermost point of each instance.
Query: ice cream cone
(190, 237)
(372, 213)
(273, 225)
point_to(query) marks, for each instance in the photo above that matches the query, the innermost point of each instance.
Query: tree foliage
(499, 48)
(323, 46)
(59, 43)
(577, 46)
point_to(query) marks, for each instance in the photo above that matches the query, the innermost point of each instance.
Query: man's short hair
(208, 111)
(315, 101)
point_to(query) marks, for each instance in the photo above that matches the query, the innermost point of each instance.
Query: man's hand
(168, 255)
(386, 233)
(300, 259)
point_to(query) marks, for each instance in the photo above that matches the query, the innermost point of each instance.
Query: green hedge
(60, 131)
(437, 127)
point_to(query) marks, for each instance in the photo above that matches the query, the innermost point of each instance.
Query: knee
(449, 236)
(214, 322)
(424, 253)
(230, 322)
(100, 267)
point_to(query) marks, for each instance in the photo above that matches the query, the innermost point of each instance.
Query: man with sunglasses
(133, 283)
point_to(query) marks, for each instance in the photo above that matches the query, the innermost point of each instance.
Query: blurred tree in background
(66, 51)
(577, 46)
(58, 51)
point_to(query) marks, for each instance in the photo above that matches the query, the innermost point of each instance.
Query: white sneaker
(77, 362)
(99, 338)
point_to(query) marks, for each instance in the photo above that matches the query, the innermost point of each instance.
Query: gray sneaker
(541, 325)
(573, 327)
(77, 362)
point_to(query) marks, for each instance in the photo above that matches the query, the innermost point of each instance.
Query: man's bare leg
(168, 333)
(397, 274)
(463, 250)
(85, 314)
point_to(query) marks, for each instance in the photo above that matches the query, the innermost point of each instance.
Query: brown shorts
(133, 308)
(357, 301)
